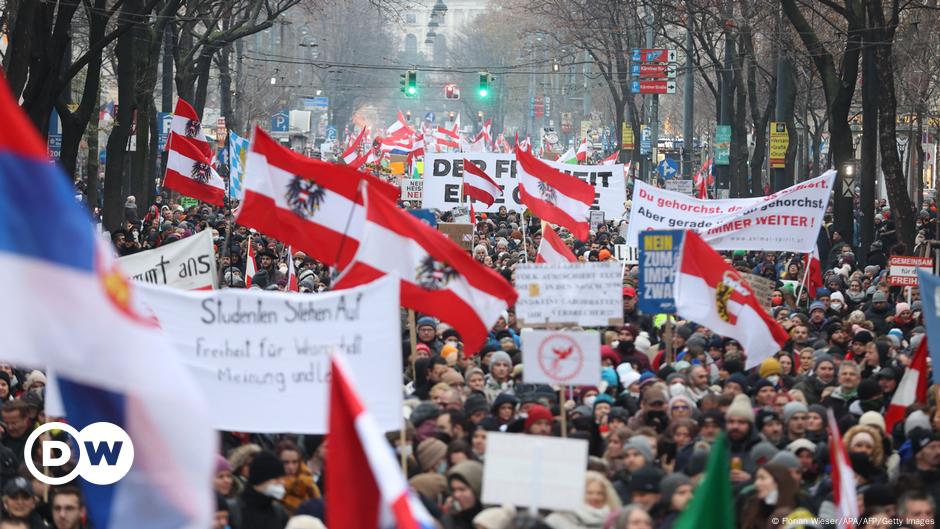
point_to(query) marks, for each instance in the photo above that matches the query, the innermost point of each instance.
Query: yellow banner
(628, 143)
(779, 141)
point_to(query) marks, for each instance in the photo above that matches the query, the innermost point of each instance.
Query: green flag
(712, 506)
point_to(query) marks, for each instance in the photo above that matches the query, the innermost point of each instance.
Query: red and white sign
(655, 87)
(561, 357)
(657, 71)
(902, 270)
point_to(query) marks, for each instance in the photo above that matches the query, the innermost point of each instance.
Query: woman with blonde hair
(866, 440)
(600, 499)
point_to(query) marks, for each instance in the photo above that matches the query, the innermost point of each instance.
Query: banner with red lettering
(786, 221)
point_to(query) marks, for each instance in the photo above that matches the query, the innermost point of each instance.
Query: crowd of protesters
(649, 423)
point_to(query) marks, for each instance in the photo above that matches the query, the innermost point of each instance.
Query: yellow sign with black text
(779, 142)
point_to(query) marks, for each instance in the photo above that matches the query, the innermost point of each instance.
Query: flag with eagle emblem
(438, 277)
(190, 172)
(185, 122)
(312, 205)
(710, 292)
(552, 195)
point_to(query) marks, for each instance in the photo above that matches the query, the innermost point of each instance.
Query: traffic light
(485, 80)
(451, 91)
(409, 83)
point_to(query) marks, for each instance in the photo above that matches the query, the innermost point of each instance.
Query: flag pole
(413, 339)
(563, 411)
(667, 336)
(525, 249)
(805, 277)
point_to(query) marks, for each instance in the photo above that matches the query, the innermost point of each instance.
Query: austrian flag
(185, 122)
(552, 195)
(553, 250)
(438, 277)
(478, 185)
(190, 172)
(711, 293)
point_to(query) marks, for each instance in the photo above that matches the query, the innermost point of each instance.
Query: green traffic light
(412, 90)
(484, 92)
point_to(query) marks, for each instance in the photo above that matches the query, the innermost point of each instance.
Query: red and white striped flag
(711, 293)
(912, 389)
(307, 203)
(185, 122)
(844, 493)
(189, 171)
(484, 134)
(552, 195)
(814, 278)
(399, 129)
(249, 264)
(612, 159)
(351, 154)
(703, 179)
(438, 277)
(291, 272)
(478, 185)
(358, 448)
(553, 250)
(583, 151)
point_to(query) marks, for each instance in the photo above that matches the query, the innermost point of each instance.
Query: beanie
(304, 521)
(475, 402)
(872, 418)
(500, 357)
(494, 517)
(741, 408)
(426, 321)
(868, 389)
(537, 413)
(739, 379)
(265, 466)
(917, 419)
(430, 453)
(770, 366)
(641, 445)
(222, 464)
(762, 452)
(792, 408)
(785, 459)
(669, 484)
(424, 412)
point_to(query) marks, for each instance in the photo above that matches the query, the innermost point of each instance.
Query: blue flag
(930, 299)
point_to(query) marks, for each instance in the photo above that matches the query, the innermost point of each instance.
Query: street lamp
(848, 171)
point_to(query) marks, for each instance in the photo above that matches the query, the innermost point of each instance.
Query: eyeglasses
(682, 408)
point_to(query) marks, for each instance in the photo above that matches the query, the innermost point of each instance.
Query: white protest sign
(443, 176)
(561, 357)
(263, 358)
(412, 191)
(586, 294)
(535, 471)
(188, 264)
(788, 220)
(679, 186)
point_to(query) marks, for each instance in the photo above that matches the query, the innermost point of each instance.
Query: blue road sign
(164, 121)
(668, 168)
(331, 133)
(280, 122)
(429, 117)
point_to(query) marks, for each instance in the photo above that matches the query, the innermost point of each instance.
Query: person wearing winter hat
(432, 456)
(240, 460)
(222, 482)
(424, 419)
(35, 381)
(736, 384)
(675, 492)
(498, 380)
(916, 419)
(794, 419)
(739, 422)
(465, 481)
(258, 506)
(475, 408)
(769, 426)
(637, 453)
(539, 421)
(426, 330)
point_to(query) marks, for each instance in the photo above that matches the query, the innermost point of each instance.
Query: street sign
(280, 122)
(654, 71)
(653, 87)
(164, 120)
(331, 133)
(668, 168)
(54, 143)
(653, 55)
(646, 143)
(722, 144)
(429, 117)
(779, 141)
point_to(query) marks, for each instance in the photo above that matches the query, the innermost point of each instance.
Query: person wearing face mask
(627, 350)
(774, 499)
(258, 506)
(837, 305)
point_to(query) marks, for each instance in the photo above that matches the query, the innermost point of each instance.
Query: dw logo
(106, 453)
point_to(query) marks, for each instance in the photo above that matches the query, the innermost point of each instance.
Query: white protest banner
(262, 358)
(787, 221)
(902, 270)
(443, 176)
(679, 186)
(412, 191)
(535, 471)
(188, 264)
(561, 357)
(586, 294)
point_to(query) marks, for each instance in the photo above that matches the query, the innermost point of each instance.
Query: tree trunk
(225, 89)
(869, 170)
(202, 70)
(901, 207)
(117, 141)
(91, 163)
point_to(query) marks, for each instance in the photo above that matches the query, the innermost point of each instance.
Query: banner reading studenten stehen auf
(786, 221)
(263, 358)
